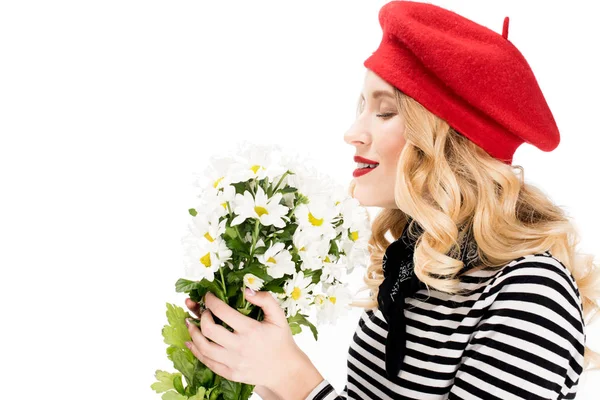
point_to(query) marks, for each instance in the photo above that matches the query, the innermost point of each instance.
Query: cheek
(390, 145)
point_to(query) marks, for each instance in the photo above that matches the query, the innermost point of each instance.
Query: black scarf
(400, 282)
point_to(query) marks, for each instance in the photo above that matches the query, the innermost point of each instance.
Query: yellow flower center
(272, 260)
(255, 168)
(354, 235)
(327, 259)
(314, 221)
(250, 280)
(224, 205)
(206, 260)
(302, 249)
(332, 299)
(319, 299)
(296, 293)
(260, 210)
(337, 202)
(208, 237)
(217, 182)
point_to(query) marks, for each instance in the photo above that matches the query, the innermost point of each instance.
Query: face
(378, 135)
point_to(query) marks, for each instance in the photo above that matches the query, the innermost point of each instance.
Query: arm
(324, 391)
(529, 342)
(265, 393)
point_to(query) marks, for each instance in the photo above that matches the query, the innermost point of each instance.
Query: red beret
(470, 76)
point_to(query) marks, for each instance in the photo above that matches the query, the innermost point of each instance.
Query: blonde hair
(445, 181)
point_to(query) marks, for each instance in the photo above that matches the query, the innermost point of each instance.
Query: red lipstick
(364, 160)
(361, 171)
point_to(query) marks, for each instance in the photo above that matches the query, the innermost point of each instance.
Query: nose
(357, 134)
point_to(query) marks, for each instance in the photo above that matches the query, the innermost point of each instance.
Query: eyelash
(385, 116)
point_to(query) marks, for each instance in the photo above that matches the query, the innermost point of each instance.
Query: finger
(232, 317)
(215, 366)
(193, 307)
(271, 308)
(209, 349)
(217, 333)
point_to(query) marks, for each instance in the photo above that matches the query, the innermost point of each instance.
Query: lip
(361, 171)
(364, 160)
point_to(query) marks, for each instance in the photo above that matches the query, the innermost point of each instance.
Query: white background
(107, 108)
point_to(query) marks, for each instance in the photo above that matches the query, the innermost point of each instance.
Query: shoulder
(542, 275)
(538, 293)
(529, 336)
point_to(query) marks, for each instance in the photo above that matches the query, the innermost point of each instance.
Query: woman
(481, 293)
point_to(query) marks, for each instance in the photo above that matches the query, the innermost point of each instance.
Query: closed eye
(386, 115)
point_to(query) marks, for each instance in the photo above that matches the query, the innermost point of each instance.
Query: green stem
(235, 227)
(254, 237)
(223, 282)
(280, 180)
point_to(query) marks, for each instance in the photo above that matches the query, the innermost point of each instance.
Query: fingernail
(250, 291)
(189, 345)
(187, 322)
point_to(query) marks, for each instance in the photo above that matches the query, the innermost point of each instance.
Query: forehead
(376, 87)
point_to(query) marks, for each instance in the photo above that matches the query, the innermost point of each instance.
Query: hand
(257, 353)
(264, 392)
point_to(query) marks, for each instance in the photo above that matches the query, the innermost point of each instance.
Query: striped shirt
(517, 334)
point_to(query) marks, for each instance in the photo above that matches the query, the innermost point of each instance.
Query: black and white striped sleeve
(529, 340)
(325, 391)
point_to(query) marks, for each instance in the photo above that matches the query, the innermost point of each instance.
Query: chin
(369, 200)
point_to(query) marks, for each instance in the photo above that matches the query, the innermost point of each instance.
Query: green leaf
(229, 231)
(230, 390)
(215, 393)
(316, 277)
(204, 376)
(276, 285)
(173, 396)
(183, 363)
(333, 249)
(246, 391)
(288, 189)
(232, 290)
(178, 385)
(193, 212)
(254, 269)
(237, 244)
(240, 187)
(176, 333)
(260, 250)
(301, 319)
(295, 328)
(165, 381)
(197, 294)
(199, 394)
(185, 286)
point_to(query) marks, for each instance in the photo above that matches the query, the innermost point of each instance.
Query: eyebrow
(379, 93)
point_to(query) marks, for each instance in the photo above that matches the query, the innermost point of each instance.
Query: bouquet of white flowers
(267, 222)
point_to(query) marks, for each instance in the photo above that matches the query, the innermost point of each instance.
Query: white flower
(215, 174)
(316, 217)
(298, 294)
(207, 226)
(268, 211)
(336, 304)
(277, 260)
(253, 282)
(311, 248)
(332, 270)
(254, 161)
(319, 300)
(203, 257)
(214, 201)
